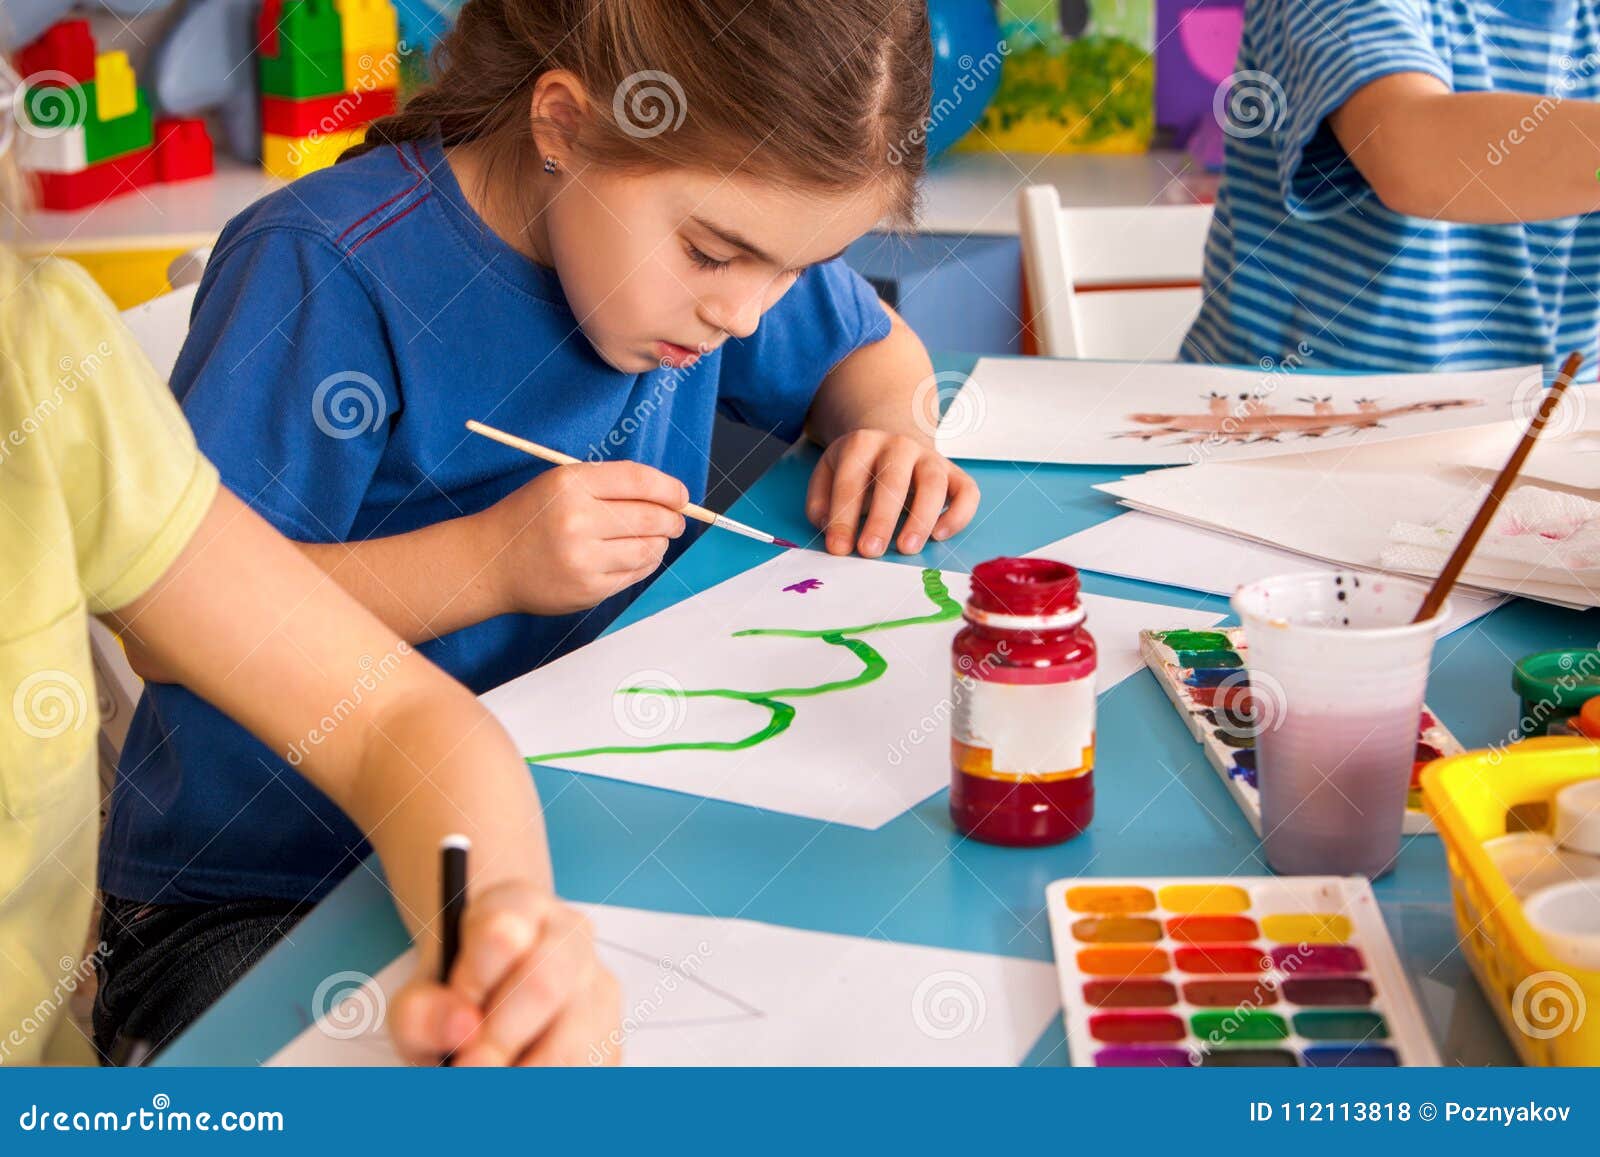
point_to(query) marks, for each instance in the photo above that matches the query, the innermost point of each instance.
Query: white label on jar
(1030, 728)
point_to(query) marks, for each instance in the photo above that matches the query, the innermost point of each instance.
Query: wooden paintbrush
(1497, 492)
(699, 513)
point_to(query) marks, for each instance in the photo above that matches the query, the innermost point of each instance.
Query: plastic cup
(1337, 675)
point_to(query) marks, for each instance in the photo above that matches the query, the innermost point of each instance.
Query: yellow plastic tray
(1550, 1010)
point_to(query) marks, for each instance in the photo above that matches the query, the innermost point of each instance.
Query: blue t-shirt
(1303, 252)
(346, 328)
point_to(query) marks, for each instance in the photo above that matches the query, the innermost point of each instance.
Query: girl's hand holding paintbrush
(578, 534)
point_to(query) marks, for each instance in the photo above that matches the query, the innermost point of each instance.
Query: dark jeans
(165, 964)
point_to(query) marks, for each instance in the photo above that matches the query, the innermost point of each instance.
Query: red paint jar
(1022, 729)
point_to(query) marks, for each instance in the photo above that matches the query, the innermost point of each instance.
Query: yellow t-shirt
(101, 487)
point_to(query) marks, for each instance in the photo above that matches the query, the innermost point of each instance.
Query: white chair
(1111, 283)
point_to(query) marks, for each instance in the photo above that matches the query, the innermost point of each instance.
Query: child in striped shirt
(1408, 186)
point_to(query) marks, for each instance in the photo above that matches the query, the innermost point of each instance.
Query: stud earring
(550, 164)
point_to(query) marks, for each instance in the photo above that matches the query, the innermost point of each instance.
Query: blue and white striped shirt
(1303, 256)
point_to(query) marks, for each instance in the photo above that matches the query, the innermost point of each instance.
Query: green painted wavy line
(873, 665)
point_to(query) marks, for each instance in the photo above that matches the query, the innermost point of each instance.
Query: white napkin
(1539, 534)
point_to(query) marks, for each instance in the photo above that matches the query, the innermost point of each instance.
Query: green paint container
(1553, 687)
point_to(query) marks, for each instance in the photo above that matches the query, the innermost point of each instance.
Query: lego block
(114, 89)
(58, 106)
(63, 55)
(368, 25)
(324, 114)
(67, 192)
(58, 151)
(107, 139)
(291, 157)
(267, 27)
(296, 75)
(183, 149)
(312, 26)
(368, 71)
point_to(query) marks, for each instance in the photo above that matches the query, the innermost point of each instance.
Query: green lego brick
(296, 75)
(74, 106)
(106, 139)
(312, 26)
(59, 107)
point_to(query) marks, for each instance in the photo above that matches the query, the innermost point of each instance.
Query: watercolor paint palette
(1203, 673)
(1246, 971)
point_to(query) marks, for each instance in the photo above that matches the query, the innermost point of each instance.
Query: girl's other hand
(882, 474)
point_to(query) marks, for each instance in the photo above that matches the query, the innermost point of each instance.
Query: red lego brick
(183, 149)
(267, 27)
(283, 117)
(63, 55)
(67, 192)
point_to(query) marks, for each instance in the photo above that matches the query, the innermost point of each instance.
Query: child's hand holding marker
(524, 989)
(578, 534)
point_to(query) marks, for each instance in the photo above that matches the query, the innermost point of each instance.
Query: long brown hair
(830, 95)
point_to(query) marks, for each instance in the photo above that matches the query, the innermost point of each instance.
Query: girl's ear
(557, 111)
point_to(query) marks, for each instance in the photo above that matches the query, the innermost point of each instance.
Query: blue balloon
(966, 68)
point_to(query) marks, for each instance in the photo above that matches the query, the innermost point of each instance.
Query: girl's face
(662, 267)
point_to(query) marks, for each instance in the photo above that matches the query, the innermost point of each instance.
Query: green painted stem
(873, 666)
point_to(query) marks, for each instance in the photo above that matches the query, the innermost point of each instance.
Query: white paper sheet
(1337, 506)
(1159, 550)
(703, 991)
(1131, 413)
(858, 755)
(1572, 461)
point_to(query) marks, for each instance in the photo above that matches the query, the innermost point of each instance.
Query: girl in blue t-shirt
(1409, 185)
(603, 223)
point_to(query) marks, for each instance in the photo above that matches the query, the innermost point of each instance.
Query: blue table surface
(1160, 808)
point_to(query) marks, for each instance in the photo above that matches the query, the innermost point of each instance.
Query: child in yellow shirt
(107, 508)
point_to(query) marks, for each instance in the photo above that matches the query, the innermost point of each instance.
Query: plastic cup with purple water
(1337, 675)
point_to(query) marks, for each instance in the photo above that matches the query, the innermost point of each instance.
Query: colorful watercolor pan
(1245, 971)
(1203, 673)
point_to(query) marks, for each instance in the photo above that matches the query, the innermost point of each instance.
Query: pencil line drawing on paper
(780, 712)
(1251, 418)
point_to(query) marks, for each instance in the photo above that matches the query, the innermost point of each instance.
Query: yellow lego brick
(368, 25)
(371, 71)
(291, 157)
(114, 87)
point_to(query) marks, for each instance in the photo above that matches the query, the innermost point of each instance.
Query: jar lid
(1589, 719)
(1026, 586)
(1564, 679)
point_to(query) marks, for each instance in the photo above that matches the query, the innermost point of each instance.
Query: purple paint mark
(784, 542)
(803, 586)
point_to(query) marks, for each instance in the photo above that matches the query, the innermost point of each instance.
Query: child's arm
(244, 620)
(566, 541)
(867, 415)
(1471, 157)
